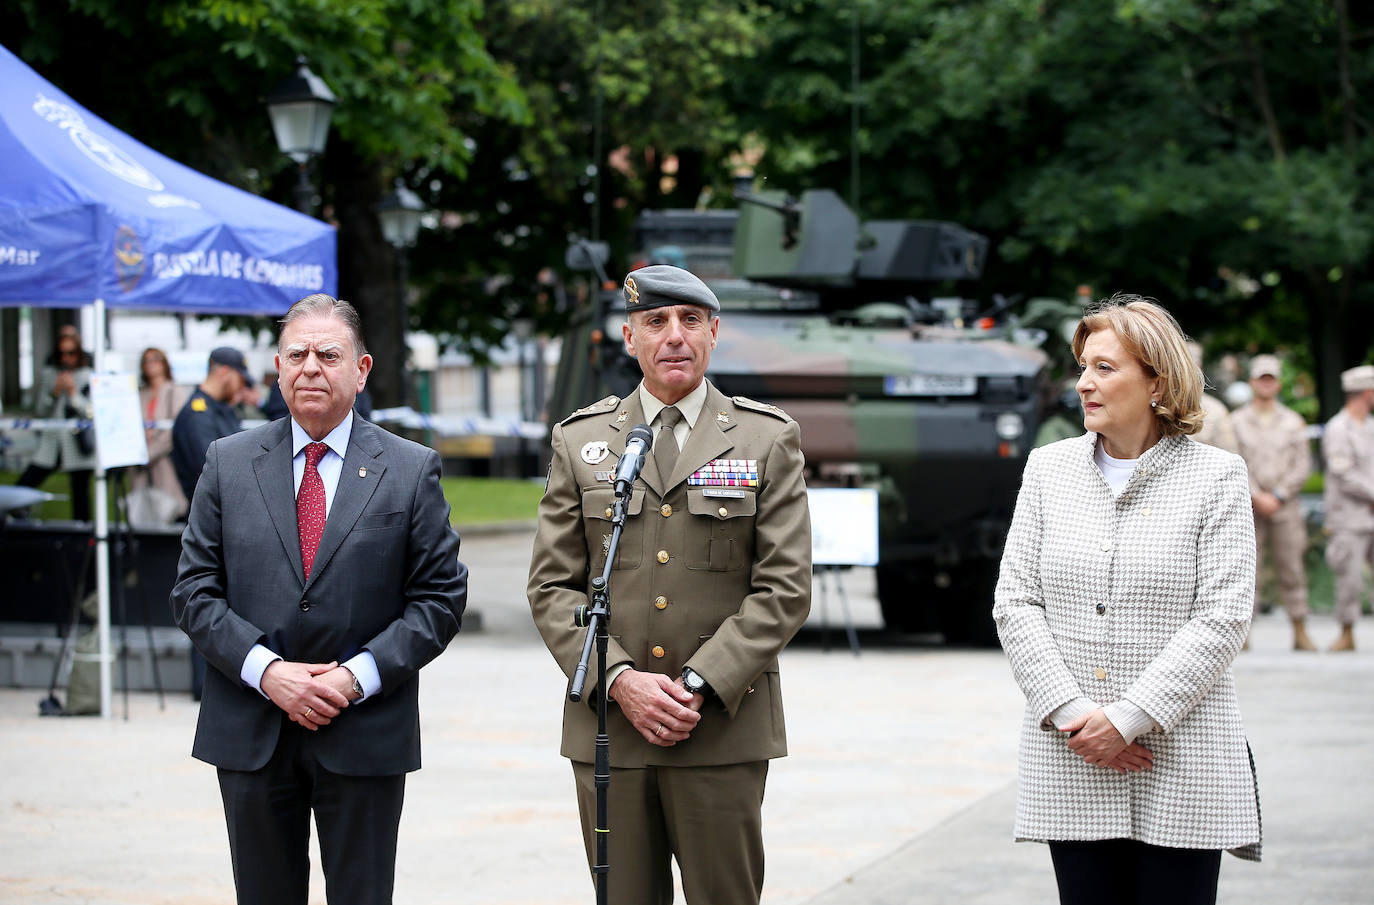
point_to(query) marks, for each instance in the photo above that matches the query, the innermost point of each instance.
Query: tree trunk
(1339, 335)
(368, 267)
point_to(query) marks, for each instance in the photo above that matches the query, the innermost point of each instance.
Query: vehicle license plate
(930, 385)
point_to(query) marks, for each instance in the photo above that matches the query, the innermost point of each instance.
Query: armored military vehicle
(917, 396)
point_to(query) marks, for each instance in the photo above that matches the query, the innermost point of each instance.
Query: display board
(844, 526)
(119, 436)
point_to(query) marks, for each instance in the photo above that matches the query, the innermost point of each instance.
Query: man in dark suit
(318, 574)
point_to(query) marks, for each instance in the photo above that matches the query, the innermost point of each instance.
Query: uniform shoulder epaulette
(745, 402)
(596, 408)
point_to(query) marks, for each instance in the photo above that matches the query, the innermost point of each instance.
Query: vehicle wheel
(966, 616)
(899, 596)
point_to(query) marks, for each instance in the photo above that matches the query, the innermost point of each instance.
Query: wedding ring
(306, 715)
(659, 730)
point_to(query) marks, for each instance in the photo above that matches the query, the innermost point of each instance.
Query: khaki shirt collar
(690, 405)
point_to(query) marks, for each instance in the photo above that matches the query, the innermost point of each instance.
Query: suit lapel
(277, 485)
(634, 414)
(707, 439)
(362, 472)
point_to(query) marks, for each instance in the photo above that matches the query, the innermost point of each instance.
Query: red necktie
(310, 505)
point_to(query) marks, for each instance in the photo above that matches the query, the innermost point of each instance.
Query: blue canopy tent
(90, 216)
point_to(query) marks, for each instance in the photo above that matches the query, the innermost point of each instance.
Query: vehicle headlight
(1010, 426)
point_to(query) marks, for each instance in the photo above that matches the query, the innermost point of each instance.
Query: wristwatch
(694, 682)
(357, 687)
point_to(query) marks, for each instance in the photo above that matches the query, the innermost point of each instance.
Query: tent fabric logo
(130, 261)
(102, 152)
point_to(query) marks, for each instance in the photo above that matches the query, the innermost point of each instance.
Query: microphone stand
(596, 619)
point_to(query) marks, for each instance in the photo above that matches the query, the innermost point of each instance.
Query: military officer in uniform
(1272, 439)
(1348, 448)
(207, 416)
(711, 580)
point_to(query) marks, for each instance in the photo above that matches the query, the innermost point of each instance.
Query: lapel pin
(362, 471)
(622, 417)
(721, 416)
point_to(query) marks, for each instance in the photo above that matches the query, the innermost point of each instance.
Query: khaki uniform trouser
(1346, 553)
(709, 818)
(1285, 535)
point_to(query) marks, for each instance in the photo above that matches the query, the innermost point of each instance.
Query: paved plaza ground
(899, 787)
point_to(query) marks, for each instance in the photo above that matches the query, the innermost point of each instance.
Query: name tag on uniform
(726, 473)
(602, 477)
(723, 492)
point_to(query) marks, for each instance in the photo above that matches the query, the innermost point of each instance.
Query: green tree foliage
(1215, 153)
(629, 91)
(412, 78)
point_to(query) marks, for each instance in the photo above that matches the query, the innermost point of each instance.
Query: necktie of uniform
(665, 444)
(310, 505)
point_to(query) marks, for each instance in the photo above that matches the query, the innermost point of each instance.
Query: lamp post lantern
(400, 211)
(300, 107)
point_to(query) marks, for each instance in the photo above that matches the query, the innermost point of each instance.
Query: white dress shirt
(363, 665)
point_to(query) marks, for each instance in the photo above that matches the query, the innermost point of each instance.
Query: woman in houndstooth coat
(1126, 590)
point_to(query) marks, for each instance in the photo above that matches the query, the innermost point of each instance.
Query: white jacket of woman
(1147, 597)
(51, 443)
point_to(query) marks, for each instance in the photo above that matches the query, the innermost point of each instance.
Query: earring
(1154, 403)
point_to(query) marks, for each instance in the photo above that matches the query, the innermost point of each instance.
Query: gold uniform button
(661, 602)
(658, 651)
(1100, 673)
(662, 555)
(665, 510)
(723, 511)
(609, 512)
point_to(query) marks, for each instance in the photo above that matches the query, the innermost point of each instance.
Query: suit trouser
(709, 818)
(1285, 535)
(1346, 553)
(1128, 872)
(268, 812)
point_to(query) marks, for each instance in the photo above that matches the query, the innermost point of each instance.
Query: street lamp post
(300, 107)
(400, 211)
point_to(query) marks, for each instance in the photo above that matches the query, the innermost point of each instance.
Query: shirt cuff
(254, 665)
(612, 674)
(1067, 713)
(1129, 720)
(364, 669)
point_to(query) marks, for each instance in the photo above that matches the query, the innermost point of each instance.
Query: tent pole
(102, 542)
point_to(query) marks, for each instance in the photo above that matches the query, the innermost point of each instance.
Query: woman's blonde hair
(1152, 336)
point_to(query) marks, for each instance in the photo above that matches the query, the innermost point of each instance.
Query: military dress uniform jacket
(719, 582)
(1275, 452)
(1348, 448)
(1145, 597)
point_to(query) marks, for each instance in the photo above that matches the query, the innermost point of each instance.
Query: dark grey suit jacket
(386, 578)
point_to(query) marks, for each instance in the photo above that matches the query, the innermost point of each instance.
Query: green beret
(661, 285)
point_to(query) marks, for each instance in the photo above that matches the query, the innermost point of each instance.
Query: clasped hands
(662, 709)
(312, 694)
(1094, 738)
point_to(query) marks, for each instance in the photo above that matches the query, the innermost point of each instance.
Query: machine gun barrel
(789, 208)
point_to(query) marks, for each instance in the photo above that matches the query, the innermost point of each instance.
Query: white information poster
(119, 436)
(844, 526)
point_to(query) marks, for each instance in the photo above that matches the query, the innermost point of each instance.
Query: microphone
(637, 447)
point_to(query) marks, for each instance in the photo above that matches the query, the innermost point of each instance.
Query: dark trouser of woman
(1128, 872)
(81, 488)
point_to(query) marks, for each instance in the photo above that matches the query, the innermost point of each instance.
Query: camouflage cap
(1358, 379)
(662, 285)
(1262, 365)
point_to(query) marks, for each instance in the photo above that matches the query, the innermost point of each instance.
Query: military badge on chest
(726, 473)
(595, 452)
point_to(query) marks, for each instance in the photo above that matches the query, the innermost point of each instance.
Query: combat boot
(1346, 641)
(1300, 639)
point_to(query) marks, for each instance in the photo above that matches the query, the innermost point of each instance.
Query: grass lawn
(475, 501)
